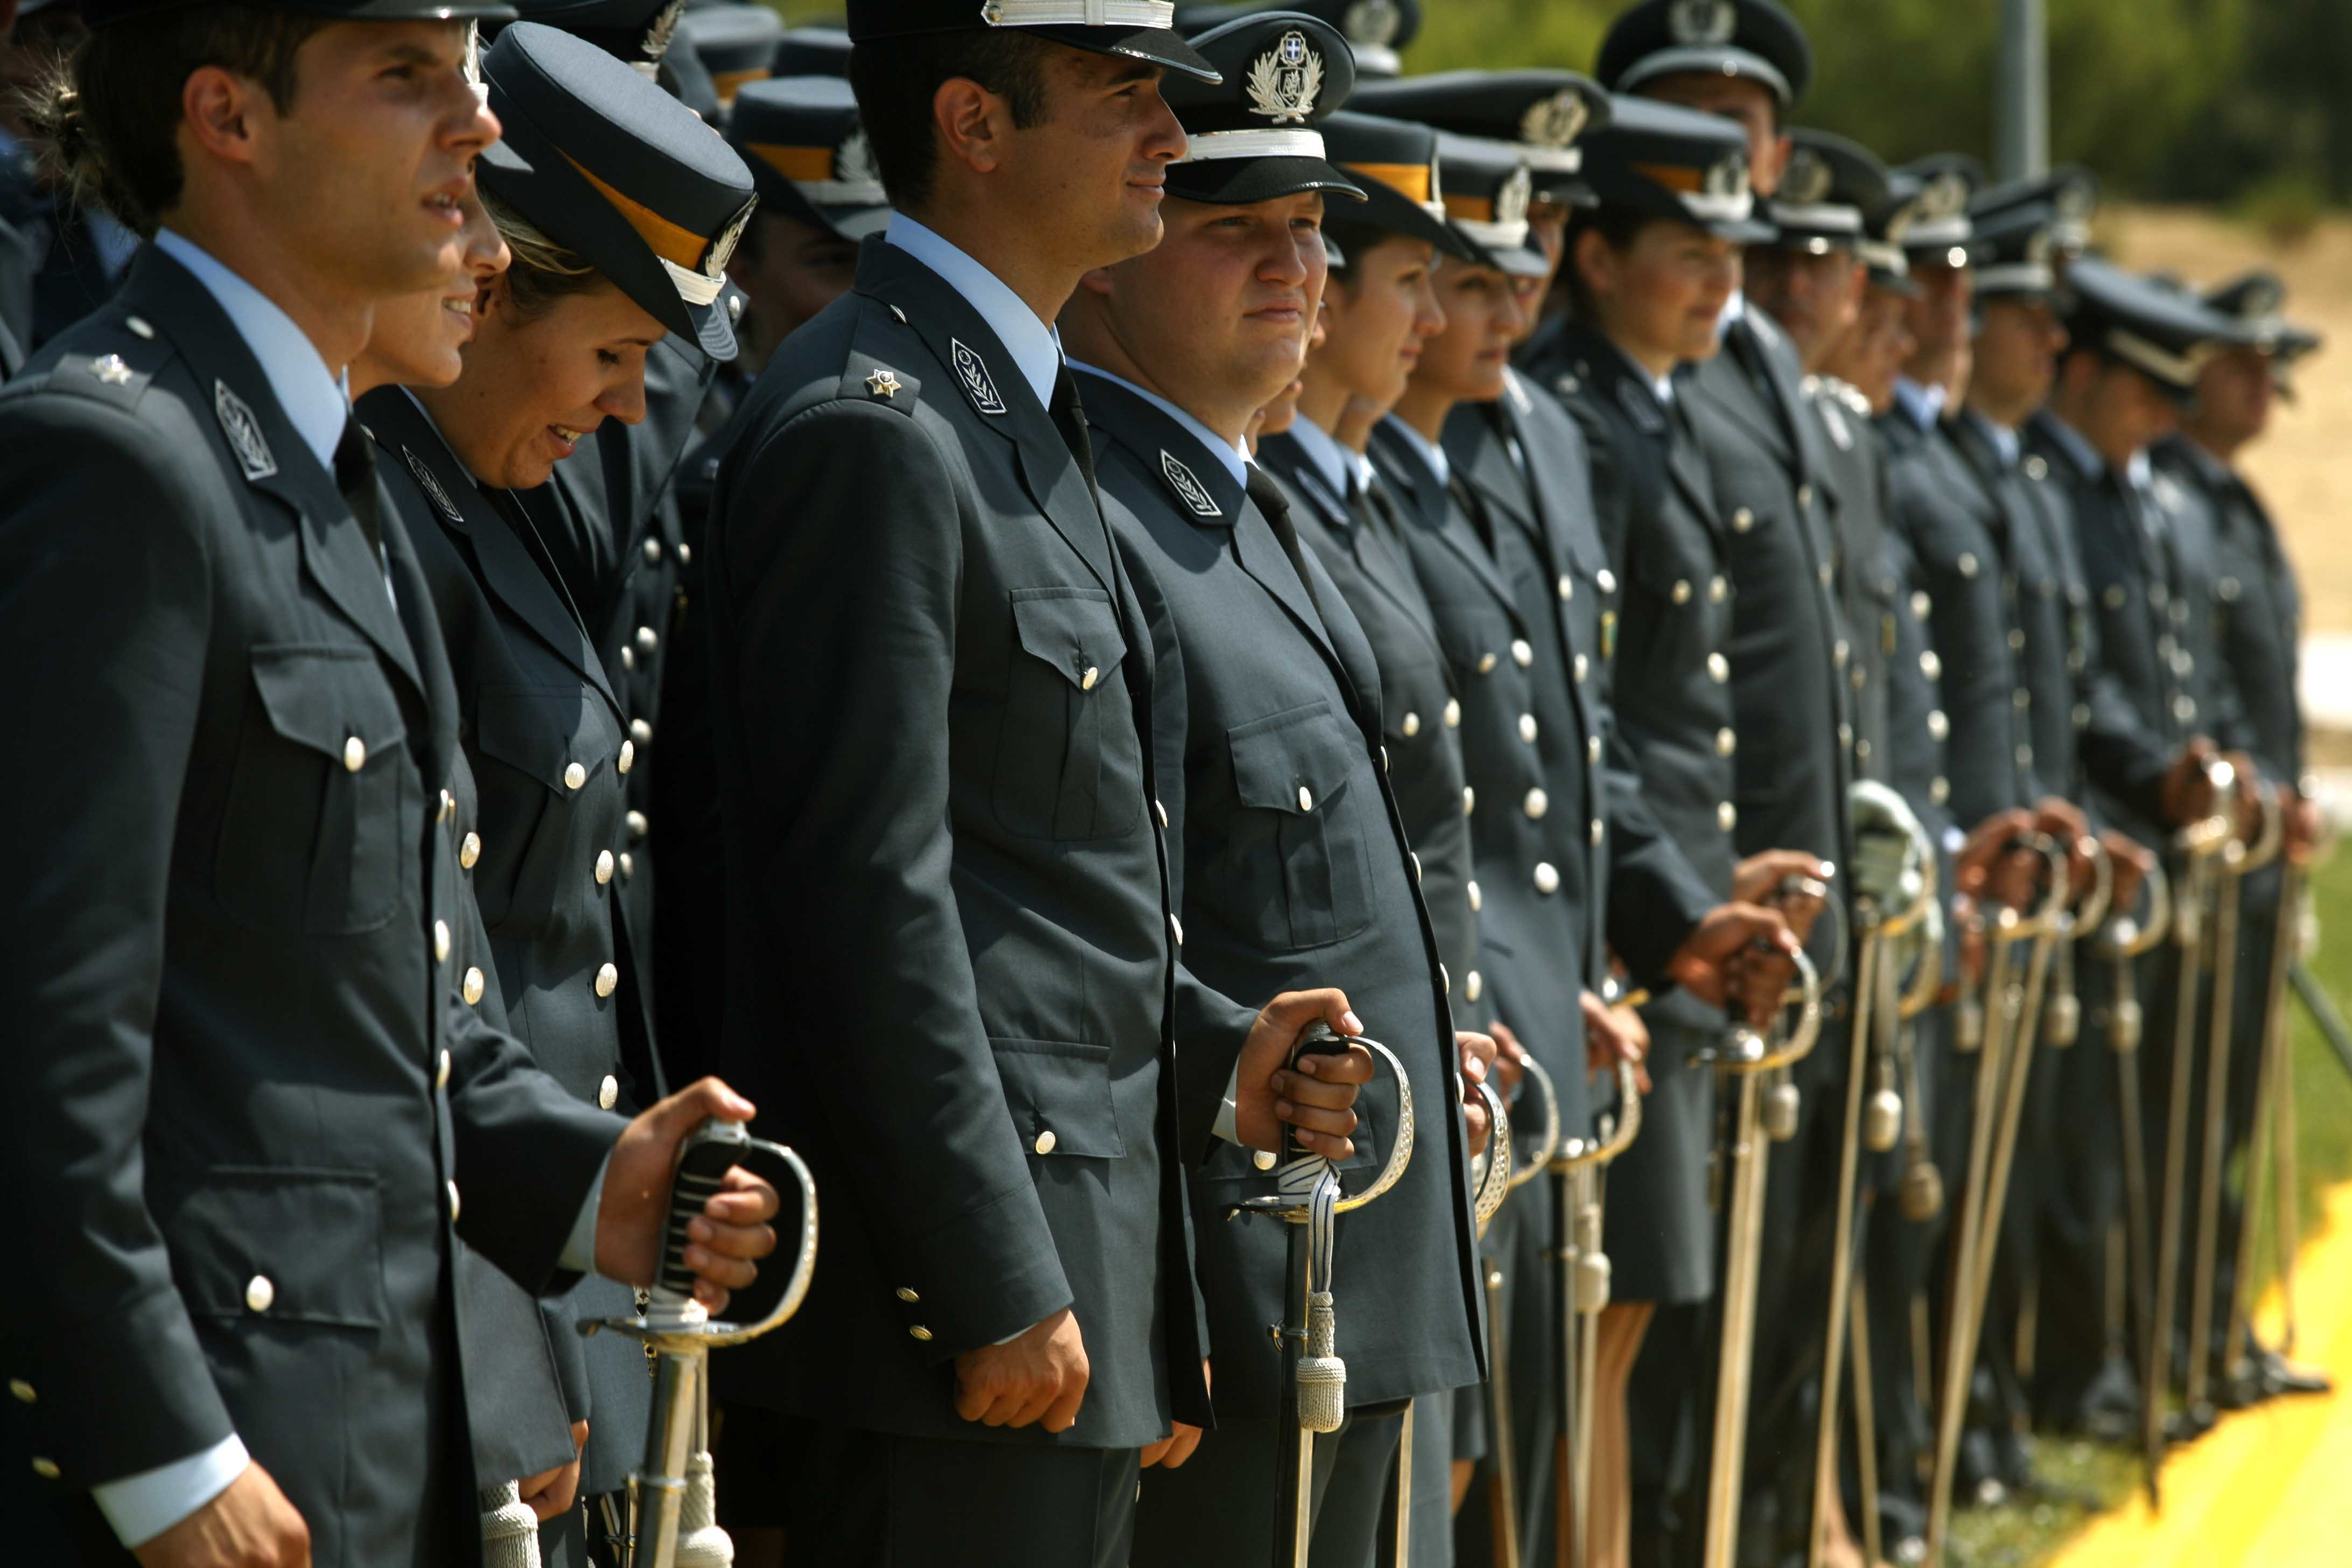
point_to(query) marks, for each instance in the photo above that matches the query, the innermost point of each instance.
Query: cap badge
(1188, 488)
(978, 384)
(1375, 22)
(2038, 247)
(1518, 193)
(1809, 180)
(2263, 297)
(244, 433)
(431, 486)
(1946, 195)
(1728, 177)
(1703, 23)
(1285, 80)
(661, 30)
(2076, 201)
(722, 249)
(1557, 121)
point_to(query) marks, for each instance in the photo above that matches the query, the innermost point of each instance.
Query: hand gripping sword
(2201, 846)
(1313, 1392)
(1874, 1011)
(2238, 861)
(672, 1495)
(1747, 1057)
(2013, 1008)
(1502, 1461)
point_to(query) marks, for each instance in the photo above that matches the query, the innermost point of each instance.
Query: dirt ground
(2305, 466)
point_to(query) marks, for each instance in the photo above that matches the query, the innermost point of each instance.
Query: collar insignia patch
(1188, 487)
(431, 486)
(978, 384)
(244, 433)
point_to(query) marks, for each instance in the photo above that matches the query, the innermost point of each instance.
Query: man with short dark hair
(247, 1076)
(934, 691)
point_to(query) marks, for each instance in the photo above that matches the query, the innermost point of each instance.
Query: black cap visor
(1524, 259)
(1160, 47)
(1245, 182)
(1390, 210)
(1706, 60)
(547, 188)
(1621, 187)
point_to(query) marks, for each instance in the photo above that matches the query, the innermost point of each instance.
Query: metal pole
(2022, 128)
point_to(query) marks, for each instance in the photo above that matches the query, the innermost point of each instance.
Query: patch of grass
(2286, 207)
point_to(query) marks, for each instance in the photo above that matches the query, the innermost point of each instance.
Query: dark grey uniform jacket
(2257, 608)
(1292, 869)
(1861, 504)
(534, 705)
(1763, 451)
(2141, 576)
(951, 977)
(247, 1086)
(1667, 539)
(1359, 540)
(1954, 532)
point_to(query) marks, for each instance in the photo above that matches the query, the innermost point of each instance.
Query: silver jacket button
(259, 1294)
(608, 1093)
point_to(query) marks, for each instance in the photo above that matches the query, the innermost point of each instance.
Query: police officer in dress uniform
(933, 687)
(2133, 355)
(2258, 623)
(1748, 60)
(1287, 849)
(1663, 535)
(252, 1077)
(472, 463)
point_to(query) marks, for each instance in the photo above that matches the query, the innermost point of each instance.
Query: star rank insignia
(882, 384)
(112, 370)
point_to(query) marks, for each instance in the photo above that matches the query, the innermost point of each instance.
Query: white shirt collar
(315, 399)
(1035, 345)
(1432, 455)
(1232, 454)
(1734, 309)
(1334, 464)
(1921, 404)
(2140, 470)
(1662, 387)
(2004, 440)
(2084, 456)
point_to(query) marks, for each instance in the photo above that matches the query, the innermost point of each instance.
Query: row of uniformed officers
(1080, 537)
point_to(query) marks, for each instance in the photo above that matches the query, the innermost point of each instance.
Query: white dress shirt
(1432, 455)
(1923, 405)
(1234, 455)
(1346, 473)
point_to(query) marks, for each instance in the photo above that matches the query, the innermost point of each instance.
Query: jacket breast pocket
(1069, 764)
(316, 832)
(1058, 1092)
(552, 797)
(1300, 841)
(284, 1243)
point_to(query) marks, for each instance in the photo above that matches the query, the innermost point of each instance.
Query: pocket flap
(1073, 629)
(323, 696)
(1059, 1094)
(544, 729)
(281, 1242)
(1293, 761)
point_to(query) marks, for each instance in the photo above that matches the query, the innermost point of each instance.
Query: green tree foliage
(2167, 99)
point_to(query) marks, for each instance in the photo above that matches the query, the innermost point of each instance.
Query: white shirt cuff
(1227, 1125)
(580, 1248)
(144, 1506)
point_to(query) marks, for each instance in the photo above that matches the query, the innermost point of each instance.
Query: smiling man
(952, 944)
(1285, 843)
(248, 1075)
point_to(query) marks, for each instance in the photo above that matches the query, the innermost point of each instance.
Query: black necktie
(1070, 419)
(1383, 507)
(1475, 509)
(355, 477)
(1275, 507)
